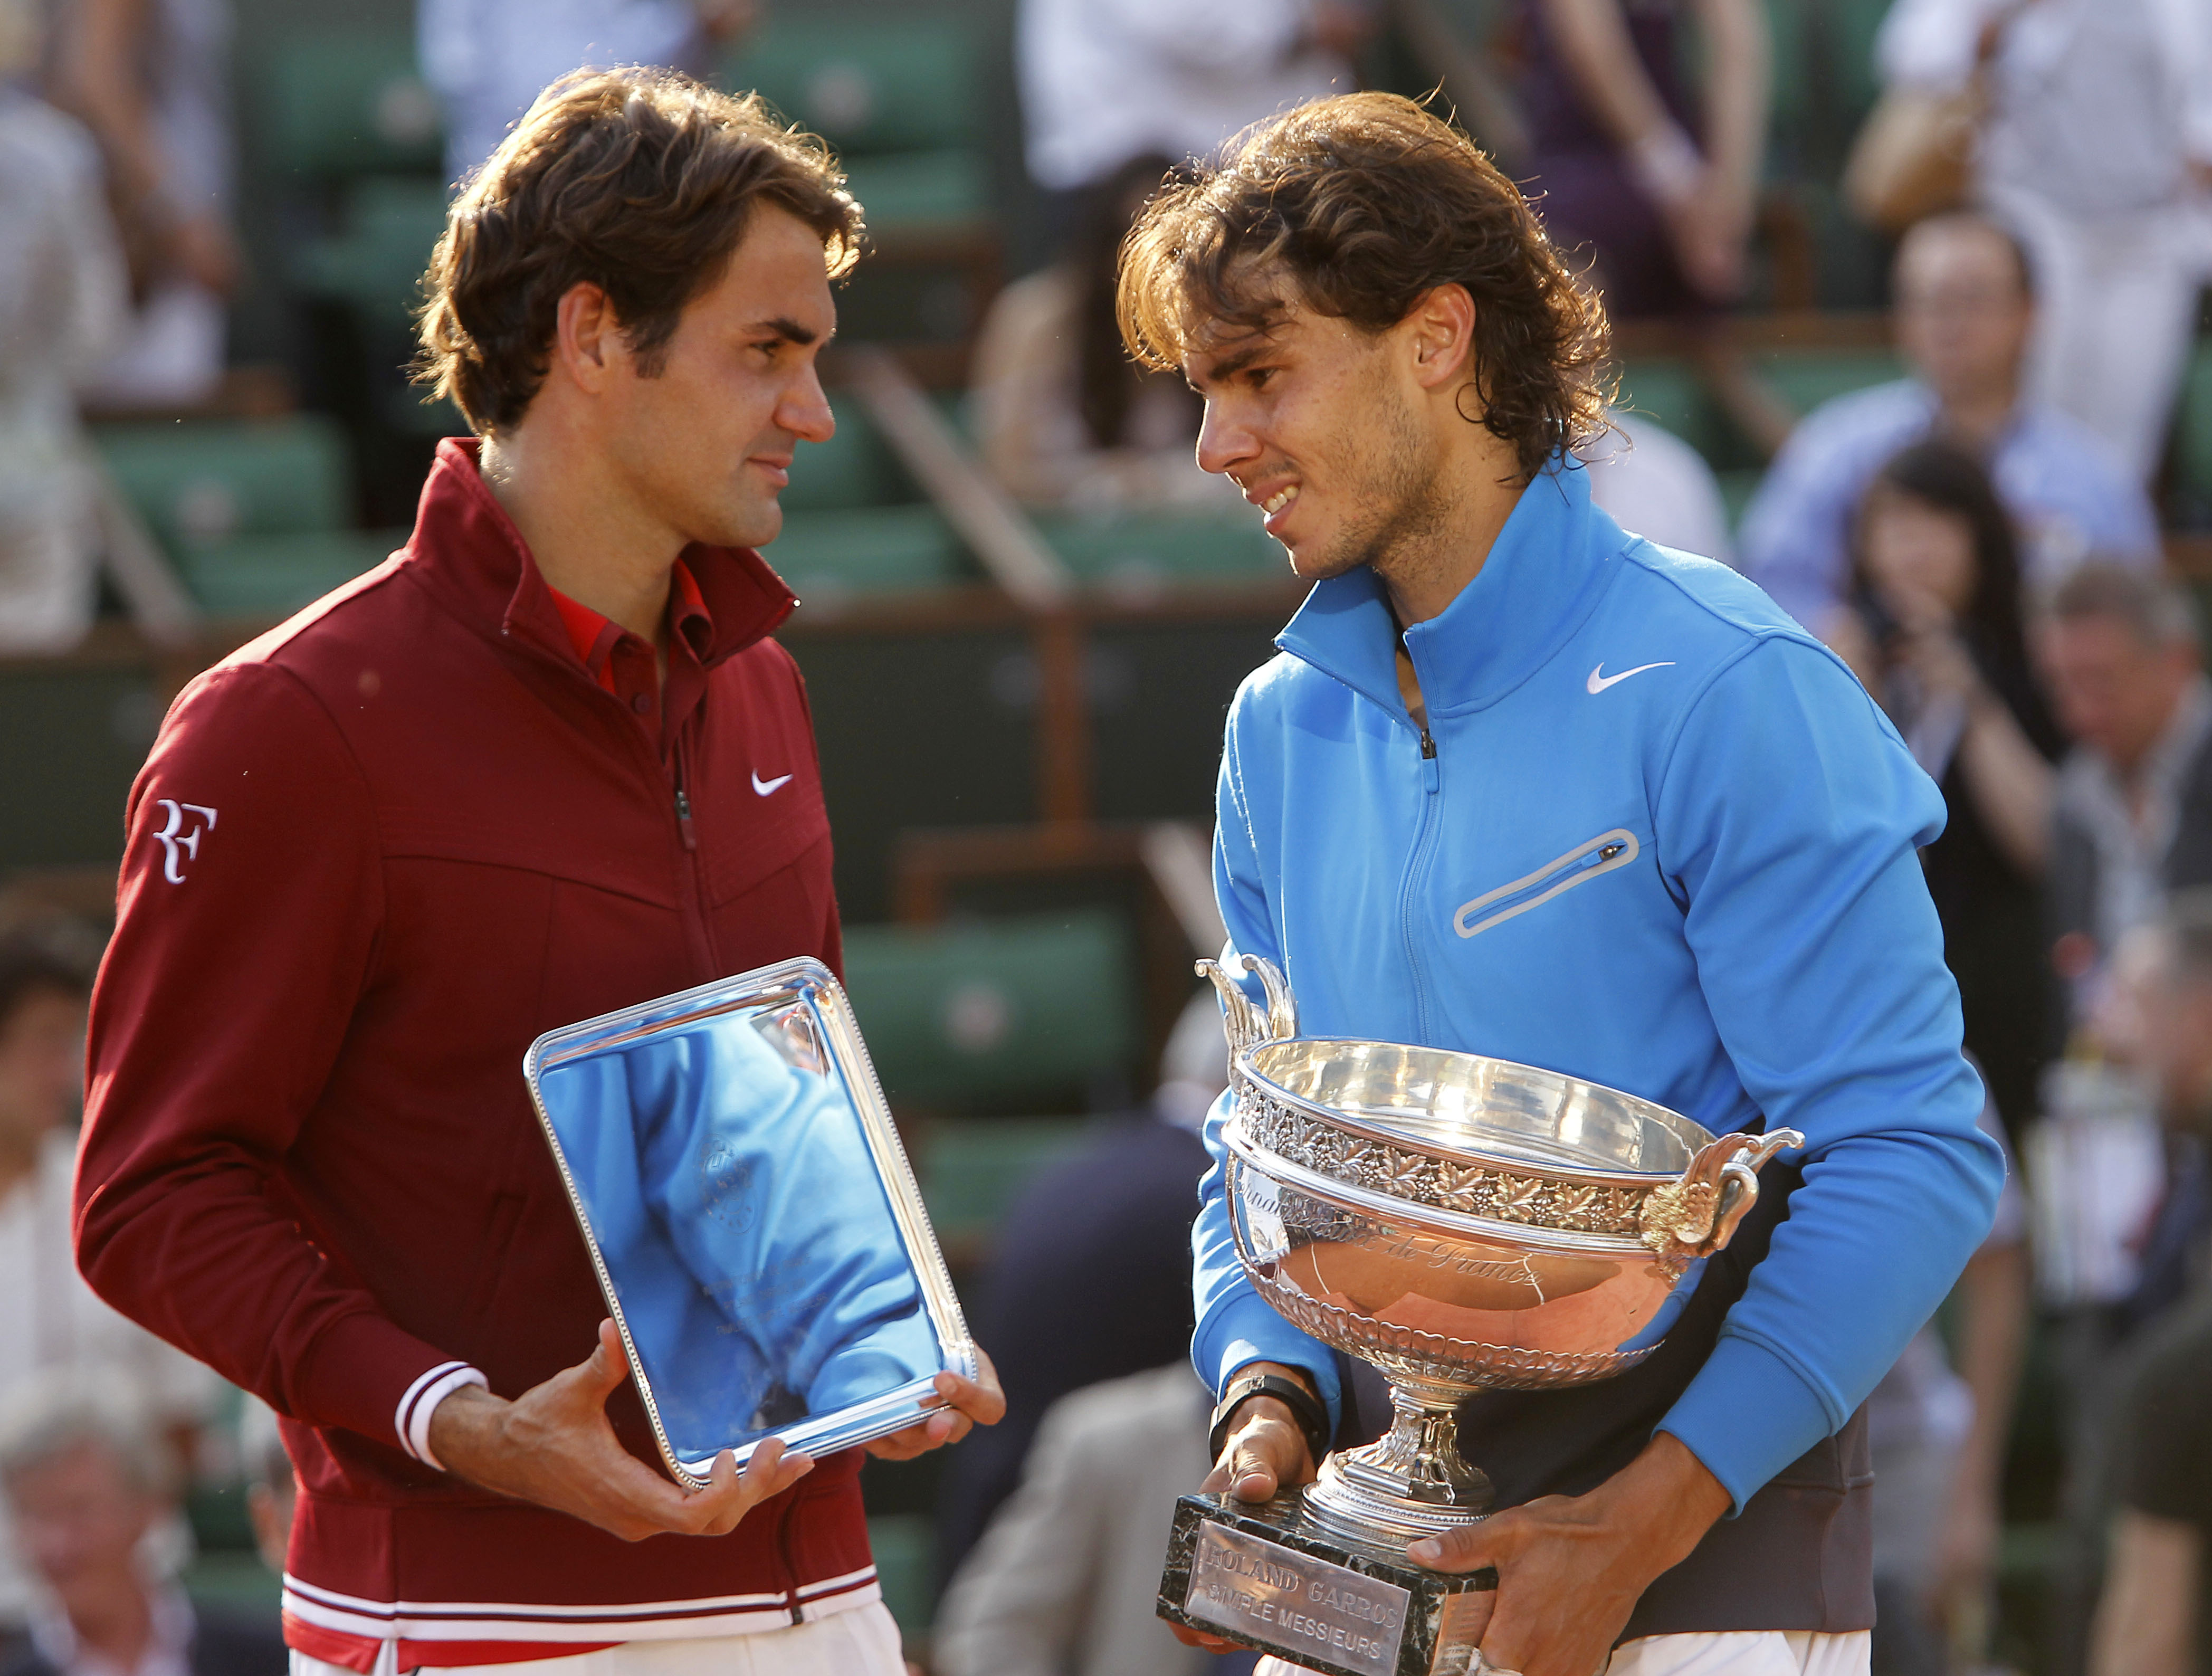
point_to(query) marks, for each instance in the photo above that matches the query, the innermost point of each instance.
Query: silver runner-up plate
(752, 1218)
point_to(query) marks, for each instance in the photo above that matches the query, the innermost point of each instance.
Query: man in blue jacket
(1523, 785)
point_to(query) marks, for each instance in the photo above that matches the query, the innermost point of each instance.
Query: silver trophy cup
(1463, 1224)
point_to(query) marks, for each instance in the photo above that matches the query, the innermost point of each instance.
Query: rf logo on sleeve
(183, 845)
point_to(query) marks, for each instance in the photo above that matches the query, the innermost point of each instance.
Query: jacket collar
(468, 552)
(1542, 578)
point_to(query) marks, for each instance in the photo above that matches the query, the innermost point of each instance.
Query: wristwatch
(1305, 1408)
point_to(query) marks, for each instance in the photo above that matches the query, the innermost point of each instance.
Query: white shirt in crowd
(1104, 81)
(1656, 485)
(169, 1647)
(49, 1318)
(2099, 113)
(488, 60)
(64, 301)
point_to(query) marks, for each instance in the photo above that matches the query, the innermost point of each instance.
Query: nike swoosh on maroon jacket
(425, 835)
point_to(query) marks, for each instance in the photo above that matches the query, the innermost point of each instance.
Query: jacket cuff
(413, 1420)
(370, 1376)
(1245, 1330)
(1748, 1415)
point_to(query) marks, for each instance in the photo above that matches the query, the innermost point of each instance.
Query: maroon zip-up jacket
(373, 855)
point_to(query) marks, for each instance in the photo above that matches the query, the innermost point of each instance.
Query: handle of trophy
(1240, 1019)
(1739, 1182)
(1282, 1005)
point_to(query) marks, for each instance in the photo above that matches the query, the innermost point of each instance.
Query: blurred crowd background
(1909, 299)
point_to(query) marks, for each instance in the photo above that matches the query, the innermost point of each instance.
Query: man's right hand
(1262, 1454)
(553, 1446)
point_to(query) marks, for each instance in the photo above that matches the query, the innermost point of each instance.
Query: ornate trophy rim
(1422, 1212)
(1693, 1134)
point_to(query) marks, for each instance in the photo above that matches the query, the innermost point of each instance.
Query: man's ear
(1442, 329)
(587, 339)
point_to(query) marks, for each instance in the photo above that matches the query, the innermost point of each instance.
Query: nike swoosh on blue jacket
(1699, 885)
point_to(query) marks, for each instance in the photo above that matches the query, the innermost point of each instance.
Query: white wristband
(412, 1421)
(1666, 165)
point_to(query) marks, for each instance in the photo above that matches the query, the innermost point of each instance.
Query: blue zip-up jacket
(1656, 836)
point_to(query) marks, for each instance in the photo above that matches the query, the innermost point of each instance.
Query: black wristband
(1305, 1408)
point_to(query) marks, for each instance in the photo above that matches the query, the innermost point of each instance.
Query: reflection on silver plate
(753, 1220)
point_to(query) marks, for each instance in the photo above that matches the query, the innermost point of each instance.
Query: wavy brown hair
(641, 182)
(1358, 206)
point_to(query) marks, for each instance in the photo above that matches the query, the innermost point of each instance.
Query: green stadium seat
(1670, 392)
(1737, 487)
(76, 734)
(888, 82)
(346, 101)
(1806, 379)
(233, 1580)
(853, 468)
(1852, 25)
(914, 191)
(2193, 425)
(1013, 1012)
(1142, 550)
(971, 1168)
(1786, 29)
(826, 556)
(198, 484)
(375, 264)
(905, 1549)
(273, 576)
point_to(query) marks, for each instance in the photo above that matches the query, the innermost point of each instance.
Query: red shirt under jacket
(373, 855)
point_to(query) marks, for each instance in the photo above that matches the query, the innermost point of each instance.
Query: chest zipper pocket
(1601, 854)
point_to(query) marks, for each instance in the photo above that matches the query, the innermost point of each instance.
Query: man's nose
(805, 410)
(1223, 441)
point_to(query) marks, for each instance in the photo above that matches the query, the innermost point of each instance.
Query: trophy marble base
(1267, 1576)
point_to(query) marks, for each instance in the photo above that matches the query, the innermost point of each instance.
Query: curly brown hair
(1365, 202)
(641, 182)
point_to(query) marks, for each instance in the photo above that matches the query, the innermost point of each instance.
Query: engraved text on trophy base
(1294, 1600)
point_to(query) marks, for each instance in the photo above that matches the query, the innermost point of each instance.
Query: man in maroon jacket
(543, 763)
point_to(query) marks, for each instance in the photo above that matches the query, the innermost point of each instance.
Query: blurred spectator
(1621, 163)
(1065, 416)
(1105, 81)
(150, 78)
(62, 296)
(87, 1482)
(2095, 145)
(488, 60)
(2133, 811)
(1091, 1279)
(1939, 1434)
(1063, 1582)
(1963, 309)
(1933, 626)
(272, 1494)
(1657, 486)
(2155, 1616)
(49, 1318)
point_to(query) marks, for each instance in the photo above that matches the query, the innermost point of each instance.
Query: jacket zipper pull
(1429, 765)
(1428, 746)
(684, 820)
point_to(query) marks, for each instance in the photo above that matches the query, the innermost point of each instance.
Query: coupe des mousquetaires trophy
(1463, 1224)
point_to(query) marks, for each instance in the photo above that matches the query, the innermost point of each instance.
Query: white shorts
(863, 1642)
(1760, 1653)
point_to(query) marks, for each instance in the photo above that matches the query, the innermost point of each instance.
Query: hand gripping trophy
(1463, 1224)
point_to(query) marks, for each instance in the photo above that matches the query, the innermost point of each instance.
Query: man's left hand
(962, 1406)
(1571, 1567)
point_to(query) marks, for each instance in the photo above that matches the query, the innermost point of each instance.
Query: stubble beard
(1402, 508)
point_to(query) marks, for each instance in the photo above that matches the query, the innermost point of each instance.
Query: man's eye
(1257, 377)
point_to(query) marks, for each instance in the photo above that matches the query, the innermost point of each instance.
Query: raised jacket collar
(467, 551)
(1541, 580)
